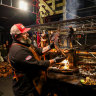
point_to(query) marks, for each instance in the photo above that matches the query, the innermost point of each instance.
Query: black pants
(24, 87)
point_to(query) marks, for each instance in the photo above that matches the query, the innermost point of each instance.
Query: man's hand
(58, 59)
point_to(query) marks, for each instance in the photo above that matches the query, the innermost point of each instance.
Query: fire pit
(63, 67)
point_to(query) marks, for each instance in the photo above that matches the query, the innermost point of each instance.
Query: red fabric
(38, 39)
(22, 28)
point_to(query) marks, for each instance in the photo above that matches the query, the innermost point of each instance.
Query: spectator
(4, 51)
(7, 46)
(1, 58)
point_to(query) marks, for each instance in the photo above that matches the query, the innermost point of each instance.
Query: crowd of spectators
(4, 49)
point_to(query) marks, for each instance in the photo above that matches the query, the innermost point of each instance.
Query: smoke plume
(71, 9)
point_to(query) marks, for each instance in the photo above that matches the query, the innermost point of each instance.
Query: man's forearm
(45, 49)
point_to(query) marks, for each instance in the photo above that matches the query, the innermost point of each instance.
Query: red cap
(18, 29)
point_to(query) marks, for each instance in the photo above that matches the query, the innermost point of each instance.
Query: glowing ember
(66, 67)
(66, 64)
(65, 61)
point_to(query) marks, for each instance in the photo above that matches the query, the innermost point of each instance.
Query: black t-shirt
(23, 61)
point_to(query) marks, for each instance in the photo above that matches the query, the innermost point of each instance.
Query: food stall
(76, 74)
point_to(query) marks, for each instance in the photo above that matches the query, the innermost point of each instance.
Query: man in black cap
(26, 62)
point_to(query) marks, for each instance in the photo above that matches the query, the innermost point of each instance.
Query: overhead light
(23, 5)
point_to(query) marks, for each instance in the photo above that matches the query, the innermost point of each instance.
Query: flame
(66, 64)
(65, 61)
(66, 67)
